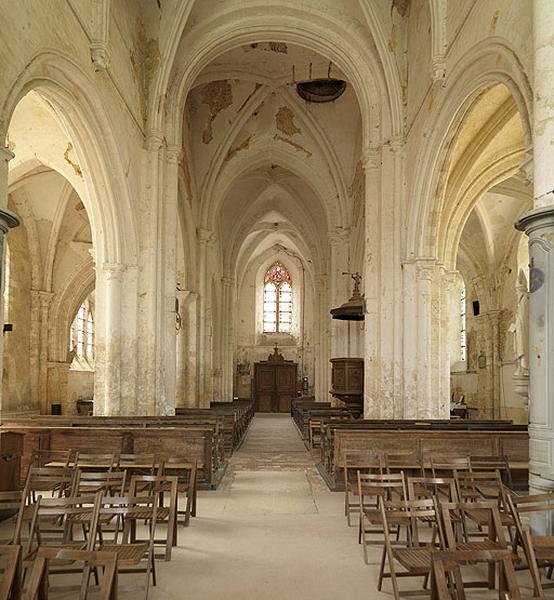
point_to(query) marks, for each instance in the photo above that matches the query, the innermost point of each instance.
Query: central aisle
(271, 530)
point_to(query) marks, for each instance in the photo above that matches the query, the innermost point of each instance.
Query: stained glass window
(277, 299)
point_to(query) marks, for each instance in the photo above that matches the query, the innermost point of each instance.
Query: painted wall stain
(284, 119)
(218, 95)
(242, 146)
(73, 163)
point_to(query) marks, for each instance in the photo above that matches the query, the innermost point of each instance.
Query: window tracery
(81, 337)
(277, 299)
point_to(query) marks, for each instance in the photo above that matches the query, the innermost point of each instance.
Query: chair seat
(127, 554)
(30, 558)
(373, 515)
(481, 545)
(415, 560)
(162, 513)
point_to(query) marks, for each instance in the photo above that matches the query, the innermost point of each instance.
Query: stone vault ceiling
(247, 130)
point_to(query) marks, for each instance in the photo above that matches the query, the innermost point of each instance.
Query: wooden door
(265, 387)
(286, 387)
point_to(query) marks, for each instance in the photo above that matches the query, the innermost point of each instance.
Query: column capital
(204, 235)
(174, 154)
(396, 144)
(113, 270)
(371, 157)
(154, 141)
(6, 154)
(8, 220)
(536, 221)
(228, 281)
(338, 236)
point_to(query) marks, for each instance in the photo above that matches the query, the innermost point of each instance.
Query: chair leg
(381, 569)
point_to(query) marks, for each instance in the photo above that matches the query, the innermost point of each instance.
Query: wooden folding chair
(538, 549)
(154, 485)
(454, 538)
(371, 487)
(139, 464)
(186, 471)
(415, 556)
(124, 510)
(498, 463)
(446, 577)
(446, 466)
(10, 583)
(111, 483)
(12, 507)
(106, 561)
(59, 481)
(484, 485)
(96, 462)
(51, 458)
(353, 462)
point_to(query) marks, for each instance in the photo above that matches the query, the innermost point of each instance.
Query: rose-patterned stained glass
(277, 299)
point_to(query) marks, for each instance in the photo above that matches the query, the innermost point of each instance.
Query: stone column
(539, 226)
(205, 237)
(8, 220)
(181, 351)
(45, 299)
(108, 349)
(384, 191)
(340, 290)
(227, 322)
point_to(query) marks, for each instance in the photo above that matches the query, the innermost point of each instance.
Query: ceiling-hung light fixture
(320, 90)
(354, 309)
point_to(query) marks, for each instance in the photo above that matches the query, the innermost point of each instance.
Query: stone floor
(271, 531)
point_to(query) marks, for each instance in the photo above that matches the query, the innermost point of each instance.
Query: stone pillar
(322, 376)
(340, 290)
(45, 299)
(383, 369)
(227, 322)
(107, 384)
(543, 103)
(205, 238)
(8, 220)
(539, 226)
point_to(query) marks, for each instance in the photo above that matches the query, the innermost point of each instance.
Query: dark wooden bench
(426, 439)
(200, 443)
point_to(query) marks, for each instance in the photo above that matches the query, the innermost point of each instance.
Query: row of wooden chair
(97, 506)
(411, 463)
(145, 464)
(420, 518)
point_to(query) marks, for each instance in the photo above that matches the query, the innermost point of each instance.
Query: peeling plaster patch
(284, 119)
(242, 146)
(278, 47)
(218, 95)
(74, 164)
(293, 144)
(145, 58)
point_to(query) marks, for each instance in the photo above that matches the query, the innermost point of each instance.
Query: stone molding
(99, 48)
(371, 158)
(8, 220)
(6, 153)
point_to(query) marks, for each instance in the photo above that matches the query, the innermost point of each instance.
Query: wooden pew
(424, 438)
(195, 442)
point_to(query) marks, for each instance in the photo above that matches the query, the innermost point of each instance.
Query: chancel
(276, 276)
